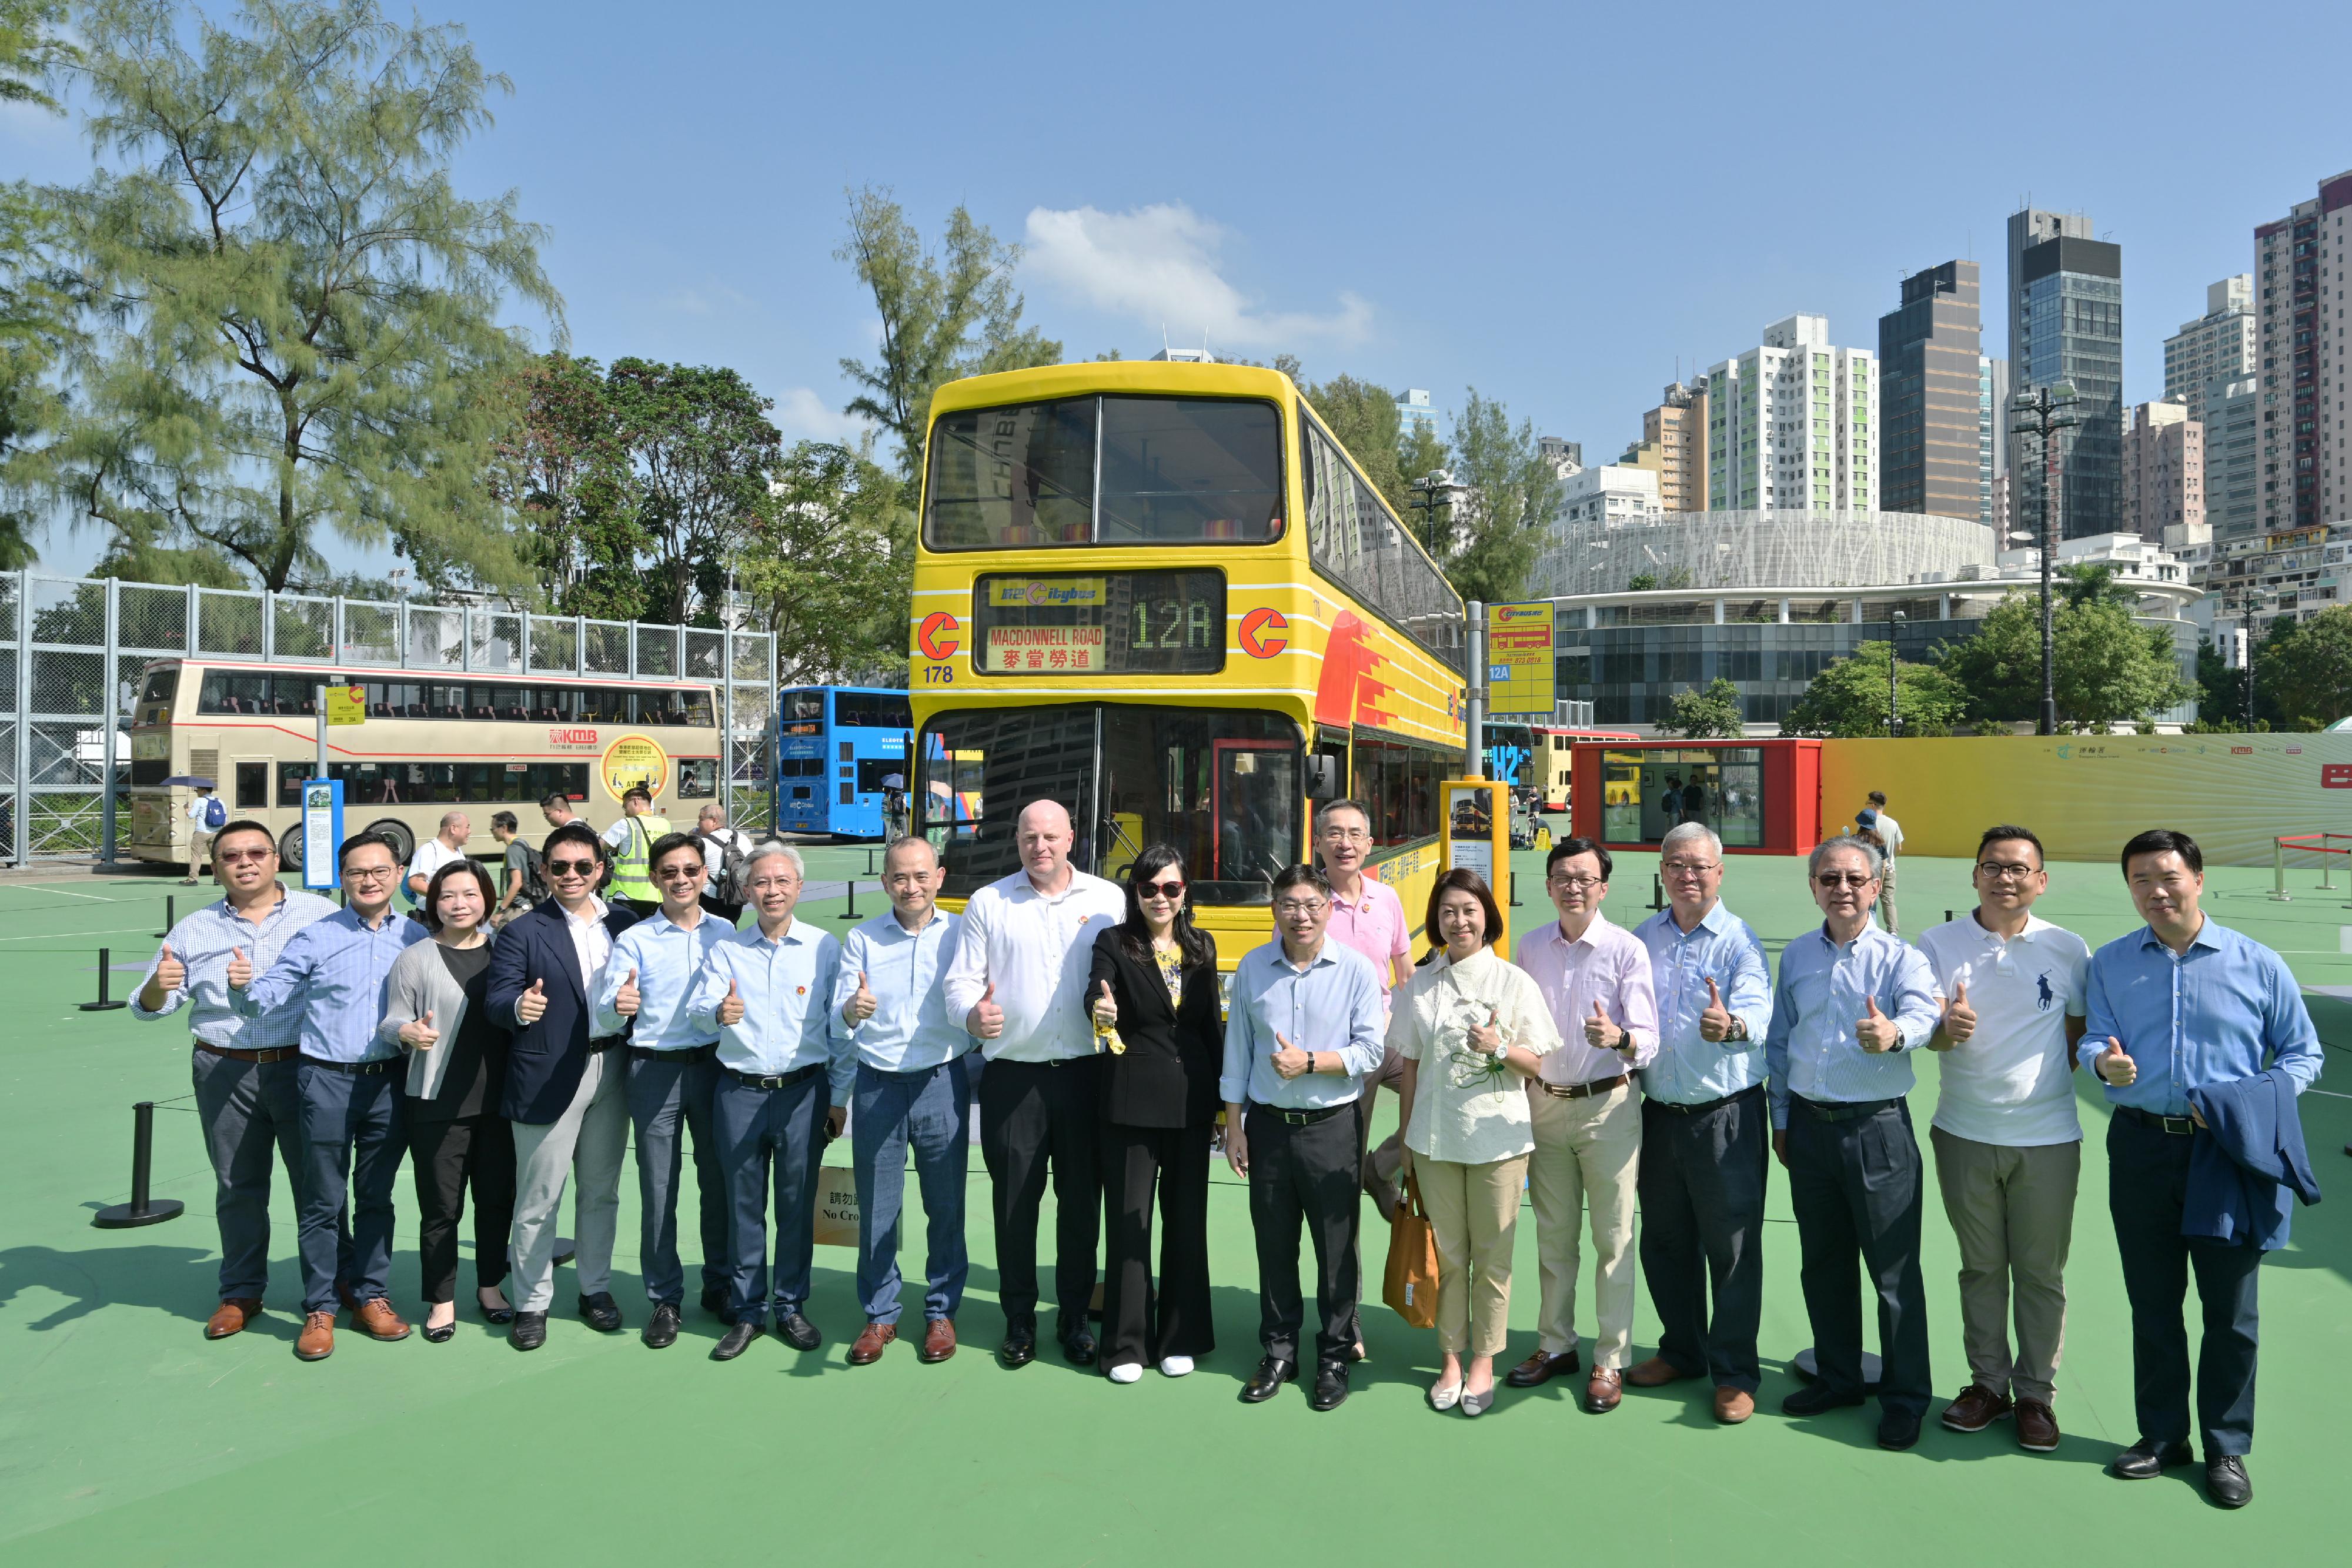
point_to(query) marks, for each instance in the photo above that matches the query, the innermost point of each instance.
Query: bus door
(1254, 793)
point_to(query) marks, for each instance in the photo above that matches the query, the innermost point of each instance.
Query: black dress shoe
(798, 1331)
(1330, 1386)
(1267, 1380)
(600, 1312)
(1540, 1368)
(715, 1302)
(2147, 1458)
(1079, 1348)
(1020, 1347)
(530, 1331)
(737, 1339)
(1899, 1429)
(661, 1329)
(2226, 1482)
(501, 1316)
(440, 1335)
(1815, 1398)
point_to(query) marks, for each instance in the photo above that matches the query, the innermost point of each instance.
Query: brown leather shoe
(1733, 1406)
(1976, 1408)
(376, 1320)
(1540, 1367)
(2037, 1427)
(939, 1340)
(1603, 1390)
(317, 1341)
(231, 1317)
(1656, 1373)
(870, 1344)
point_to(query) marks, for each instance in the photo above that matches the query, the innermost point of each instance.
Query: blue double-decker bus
(839, 751)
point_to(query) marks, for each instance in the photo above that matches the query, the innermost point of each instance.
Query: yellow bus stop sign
(346, 704)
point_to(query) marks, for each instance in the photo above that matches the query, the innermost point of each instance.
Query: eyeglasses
(2004, 871)
(571, 868)
(1576, 881)
(1162, 890)
(1845, 879)
(239, 857)
(370, 872)
(1300, 906)
(1348, 835)
(1689, 868)
(674, 872)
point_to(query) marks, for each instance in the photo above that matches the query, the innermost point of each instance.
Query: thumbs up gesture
(1288, 1059)
(1106, 1009)
(420, 1032)
(861, 1004)
(1601, 1034)
(626, 1000)
(987, 1020)
(1488, 1037)
(1959, 1018)
(2113, 1066)
(240, 969)
(1714, 1019)
(169, 973)
(1876, 1031)
(730, 1010)
(531, 1006)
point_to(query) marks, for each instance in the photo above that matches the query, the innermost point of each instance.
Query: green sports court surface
(126, 1439)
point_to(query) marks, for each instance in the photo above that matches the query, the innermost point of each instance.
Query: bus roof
(348, 673)
(1176, 377)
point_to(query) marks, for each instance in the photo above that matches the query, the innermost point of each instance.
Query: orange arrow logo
(940, 635)
(1264, 633)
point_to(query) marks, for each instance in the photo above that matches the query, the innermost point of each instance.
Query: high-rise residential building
(1414, 408)
(2164, 471)
(2219, 343)
(1992, 438)
(1928, 359)
(2234, 490)
(2067, 324)
(2299, 296)
(1792, 424)
(1674, 447)
(1566, 457)
(2002, 522)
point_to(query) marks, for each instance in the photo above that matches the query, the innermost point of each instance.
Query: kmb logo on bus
(584, 738)
(1264, 633)
(939, 636)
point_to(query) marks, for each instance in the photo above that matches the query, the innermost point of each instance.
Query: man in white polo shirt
(2009, 1147)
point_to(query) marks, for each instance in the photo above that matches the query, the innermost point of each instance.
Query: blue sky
(1551, 203)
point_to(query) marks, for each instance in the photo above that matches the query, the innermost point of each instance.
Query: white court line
(44, 887)
(68, 935)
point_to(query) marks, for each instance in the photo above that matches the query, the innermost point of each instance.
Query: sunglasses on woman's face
(1162, 890)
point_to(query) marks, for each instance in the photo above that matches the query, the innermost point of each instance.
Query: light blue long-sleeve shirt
(201, 942)
(1822, 993)
(1687, 1070)
(665, 958)
(1333, 1004)
(786, 984)
(910, 1030)
(332, 973)
(2225, 1010)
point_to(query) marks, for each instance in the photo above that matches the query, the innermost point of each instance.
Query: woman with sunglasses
(1153, 997)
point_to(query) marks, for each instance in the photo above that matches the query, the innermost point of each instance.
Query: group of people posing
(1600, 1070)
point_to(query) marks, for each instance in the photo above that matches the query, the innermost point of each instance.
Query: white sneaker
(1175, 1366)
(1125, 1372)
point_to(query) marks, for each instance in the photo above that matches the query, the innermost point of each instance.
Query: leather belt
(1297, 1118)
(647, 1054)
(1582, 1090)
(604, 1042)
(2178, 1127)
(774, 1079)
(1842, 1109)
(355, 1069)
(1681, 1110)
(275, 1053)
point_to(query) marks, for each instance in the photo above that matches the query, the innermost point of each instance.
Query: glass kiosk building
(1760, 796)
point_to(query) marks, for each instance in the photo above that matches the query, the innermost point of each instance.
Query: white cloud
(802, 415)
(1159, 265)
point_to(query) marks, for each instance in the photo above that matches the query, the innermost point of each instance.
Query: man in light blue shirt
(914, 1090)
(1303, 1030)
(332, 975)
(244, 1067)
(2183, 1004)
(1850, 1001)
(766, 992)
(672, 1076)
(1706, 1130)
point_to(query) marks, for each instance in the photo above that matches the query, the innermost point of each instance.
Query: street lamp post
(2040, 412)
(1435, 489)
(1894, 619)
(2247, 596)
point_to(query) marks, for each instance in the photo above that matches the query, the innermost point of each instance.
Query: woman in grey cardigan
(435, 1009)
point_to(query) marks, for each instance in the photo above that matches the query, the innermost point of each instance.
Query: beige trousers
(2012, 1211)
(1474, 1216)
(1588, 1152)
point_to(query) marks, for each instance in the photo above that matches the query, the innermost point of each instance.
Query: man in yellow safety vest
(631, 840)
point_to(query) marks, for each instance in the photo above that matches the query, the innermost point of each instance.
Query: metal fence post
(2278, 872)
(269, 627)
(110, 701)
(633, 649)
(21, 840)
(336, 657)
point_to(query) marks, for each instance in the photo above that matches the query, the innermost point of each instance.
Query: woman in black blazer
(1154, 991)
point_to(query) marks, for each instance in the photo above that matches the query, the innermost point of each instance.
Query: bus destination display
(1102, 624)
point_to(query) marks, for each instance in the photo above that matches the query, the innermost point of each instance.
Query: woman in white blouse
(1471, 1029)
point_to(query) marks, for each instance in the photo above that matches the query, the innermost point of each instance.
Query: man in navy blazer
(566, 1090)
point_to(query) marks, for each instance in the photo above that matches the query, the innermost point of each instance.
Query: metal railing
(71, 651)
(2320, 844)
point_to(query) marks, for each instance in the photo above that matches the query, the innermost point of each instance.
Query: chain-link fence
(71, 650)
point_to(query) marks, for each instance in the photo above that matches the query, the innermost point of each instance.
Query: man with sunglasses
(244, 1067)
(565, 1091)
(2009, 1147)
(1849, 1002)
(330, 975)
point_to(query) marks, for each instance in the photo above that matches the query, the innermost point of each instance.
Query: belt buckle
(772, 1080)
(2178, 1127)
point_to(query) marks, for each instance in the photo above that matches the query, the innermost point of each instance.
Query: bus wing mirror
(1322, 778)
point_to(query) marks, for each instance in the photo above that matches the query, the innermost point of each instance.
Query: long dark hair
(1461, 879)
(1135, 933)
(430, 917)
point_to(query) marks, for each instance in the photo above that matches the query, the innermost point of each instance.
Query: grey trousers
(589, 1141)
(2012, 1210)
(248, 1109)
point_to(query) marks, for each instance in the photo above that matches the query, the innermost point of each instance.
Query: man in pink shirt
(1595, 977)
(1367, 916)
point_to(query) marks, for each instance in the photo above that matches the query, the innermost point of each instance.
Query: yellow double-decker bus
(1163, 595)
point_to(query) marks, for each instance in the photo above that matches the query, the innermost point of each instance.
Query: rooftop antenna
(1163, 339)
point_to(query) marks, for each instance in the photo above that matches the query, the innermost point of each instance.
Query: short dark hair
(362, 840)
(1292, 876)
(1327, 806)
(670, 844)
(1462, 879)
(243, 825)
(572, 832)
(2164, 840)
(1566, 849)
(429, 916)
(558, 798)
(1876, 797)
(635, 792)
(2007, 830)
(505, 819)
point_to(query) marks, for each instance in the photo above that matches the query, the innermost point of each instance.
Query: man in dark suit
(566, 1092)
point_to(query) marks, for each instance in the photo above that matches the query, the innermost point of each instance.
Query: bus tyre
(289, 848)
(403, 843)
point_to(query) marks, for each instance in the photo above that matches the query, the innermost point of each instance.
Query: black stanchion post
(105, 962)
(851, 911)
(140, 1210)
(1657, 892)
(1947, 917)
(171, 915)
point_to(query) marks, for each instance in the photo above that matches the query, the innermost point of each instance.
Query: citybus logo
(939, 636)
(1263, 633)
(1508, 614)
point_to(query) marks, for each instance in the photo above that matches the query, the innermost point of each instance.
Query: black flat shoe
(714, 1302)
(1330, 1386)
(798, 1331)
(2226, 1482)
(1079, 1348)
(1019, 1348)
(2147, 1458)
(736, 1341)
(600, 1312)
(497, 1316)
(661, 1329)
(440, 1335)
(1815, 1398)
(1899, 1429)
(1267, 1380)
(530, 1331)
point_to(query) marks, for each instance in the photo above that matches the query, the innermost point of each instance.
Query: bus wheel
(403, 843)
(289, 848)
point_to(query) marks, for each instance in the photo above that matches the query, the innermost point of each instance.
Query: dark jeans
(248, 1109)
(2148, 1185)
(446, 1155)
(1307, 1172)
(1033, 1113)
(1855, 1187)
(669, 1095)
(1701, 1192)
(771, 1136)
(1141, 1326)
(352, 1141)
(928, 1112)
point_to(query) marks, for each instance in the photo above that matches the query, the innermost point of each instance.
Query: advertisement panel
(1520, 672)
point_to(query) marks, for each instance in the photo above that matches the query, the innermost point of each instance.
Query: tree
(1848, 698)
(831, 567)
(1514, 497)
(562, 470)
(1364, 419)
(700, 452)
(1642, 582)
(33, 48)
(35, 297)
(2304, 671)
(2108, 668)
(299, 322)
(1712, 712)
(942, 318)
